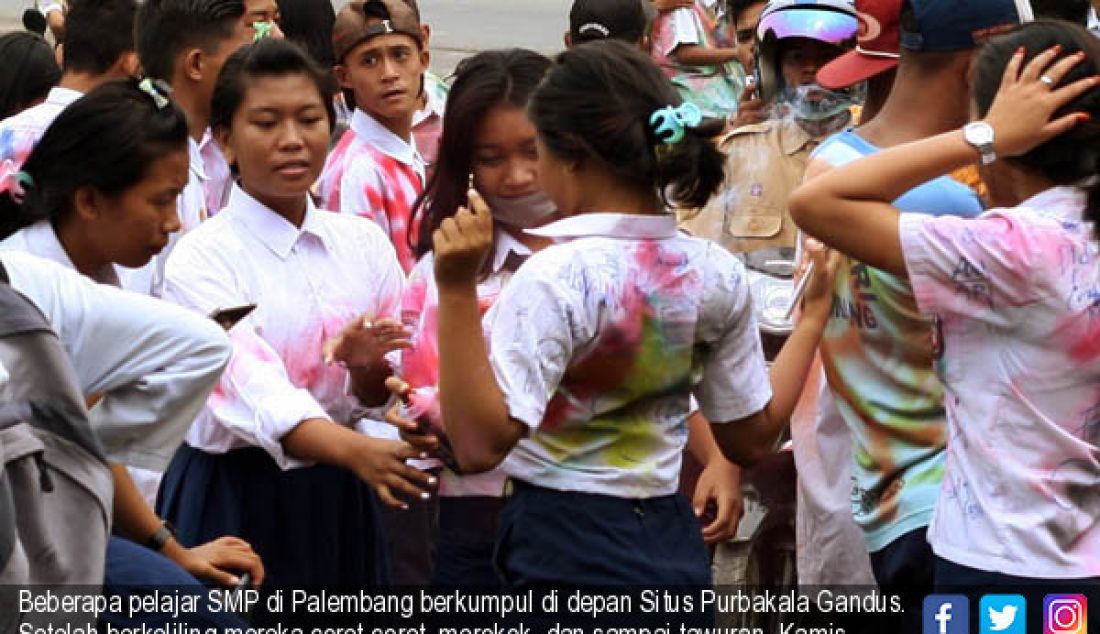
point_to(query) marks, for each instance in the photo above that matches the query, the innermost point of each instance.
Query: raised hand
(462, 243)
(1030, 95)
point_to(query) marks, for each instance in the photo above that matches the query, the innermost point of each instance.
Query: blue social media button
(1002, 614)
(946, 614)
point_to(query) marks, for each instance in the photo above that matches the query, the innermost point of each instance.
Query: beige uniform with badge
(764, 163)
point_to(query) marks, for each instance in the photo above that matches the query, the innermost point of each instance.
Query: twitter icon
(1002, 614)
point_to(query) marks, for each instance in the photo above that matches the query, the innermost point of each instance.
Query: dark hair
(34, 21)
(734, 8)
(1073, 157)
(611, 124)
(482, 82)
(97, 33)
(166, 28)
(266, 58)
(1070, 10)
(309, 23)
(107, 139)
(27, 71)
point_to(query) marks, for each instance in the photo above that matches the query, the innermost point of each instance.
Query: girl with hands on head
(275, 457)
(1013, 293)
(599, 340)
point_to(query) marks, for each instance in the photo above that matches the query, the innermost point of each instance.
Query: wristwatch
(980, 135)
(158, 539)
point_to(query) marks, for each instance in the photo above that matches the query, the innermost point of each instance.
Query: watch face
(979, 133)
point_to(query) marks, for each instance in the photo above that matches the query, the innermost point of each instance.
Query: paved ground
(459, 27)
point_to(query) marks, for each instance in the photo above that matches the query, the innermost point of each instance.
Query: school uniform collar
(1062, 203)
(610, 225)
(63, 97)
(276, 232)
(793, 138)
(194, 159)
(509, 252)
(42, 240)
(373, 133)
(434, 105)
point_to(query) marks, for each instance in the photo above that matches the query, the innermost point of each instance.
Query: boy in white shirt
(376, 171)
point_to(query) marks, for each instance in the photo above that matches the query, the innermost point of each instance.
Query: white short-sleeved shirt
(600, 339)
(308, 283)
(154, 363)
(1016, 296)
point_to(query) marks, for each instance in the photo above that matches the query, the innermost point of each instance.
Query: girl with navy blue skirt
(600, 339)
(274, 457)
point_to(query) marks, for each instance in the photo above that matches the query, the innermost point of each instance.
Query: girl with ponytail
(1016, 298)
(600, 339)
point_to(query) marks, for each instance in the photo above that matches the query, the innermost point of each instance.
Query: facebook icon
(946, 614)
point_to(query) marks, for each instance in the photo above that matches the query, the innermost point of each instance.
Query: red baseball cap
(878, 43)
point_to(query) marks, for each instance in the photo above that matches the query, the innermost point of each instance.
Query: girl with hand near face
(274, 457)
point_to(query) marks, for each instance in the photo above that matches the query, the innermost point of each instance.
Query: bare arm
(478, 424)
(695, 55)
(850, 209)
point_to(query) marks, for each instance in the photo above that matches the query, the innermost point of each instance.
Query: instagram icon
(1065, 614)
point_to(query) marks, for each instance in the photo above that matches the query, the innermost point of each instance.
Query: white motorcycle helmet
(830, 21)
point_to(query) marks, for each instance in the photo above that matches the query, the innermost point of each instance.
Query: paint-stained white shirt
(1016, 296)
(153, 363)
(600, 339)
(308, 283)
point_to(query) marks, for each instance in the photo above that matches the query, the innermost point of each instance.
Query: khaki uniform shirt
(764, 163)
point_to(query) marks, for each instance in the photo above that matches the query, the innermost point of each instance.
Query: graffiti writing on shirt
(958, 489)
(865, 501)
(859, 310)
(970, 281)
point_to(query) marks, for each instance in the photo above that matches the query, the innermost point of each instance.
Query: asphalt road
(459, 27)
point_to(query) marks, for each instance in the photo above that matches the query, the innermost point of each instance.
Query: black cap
(607, 19)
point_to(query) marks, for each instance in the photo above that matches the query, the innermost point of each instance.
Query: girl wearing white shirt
(599, 340)
(1015, 295)
(274, 457)
(99, 190)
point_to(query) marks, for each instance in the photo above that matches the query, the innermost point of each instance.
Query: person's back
(878, 348)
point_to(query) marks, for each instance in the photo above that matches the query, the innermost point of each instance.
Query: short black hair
(265, 58)
(309, 23)
(166, 28)
(97, 34)
(734, 8)
(1076, 11)
(31, 71)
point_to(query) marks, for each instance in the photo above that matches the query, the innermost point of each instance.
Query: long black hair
(28, 70)
(596, 103)
(1072, 158)
(107, 139)
(482, 82)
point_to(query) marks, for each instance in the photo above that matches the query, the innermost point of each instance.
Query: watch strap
(158, 540)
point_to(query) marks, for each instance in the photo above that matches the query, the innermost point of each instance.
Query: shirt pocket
(755, 221)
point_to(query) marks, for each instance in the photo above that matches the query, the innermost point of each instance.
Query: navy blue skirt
(311, 526)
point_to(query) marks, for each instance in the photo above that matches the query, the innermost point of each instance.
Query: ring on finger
(1046, 79)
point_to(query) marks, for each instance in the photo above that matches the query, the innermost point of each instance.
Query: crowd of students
(472, 325)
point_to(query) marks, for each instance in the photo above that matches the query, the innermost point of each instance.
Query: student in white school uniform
(596, 344)
(99, 191)
(277, 436)
(1014, 296)
(184, 43)
(375, 171)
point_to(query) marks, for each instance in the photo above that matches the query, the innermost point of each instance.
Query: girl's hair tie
(670, 122)
(15, 182)
(157, 90)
